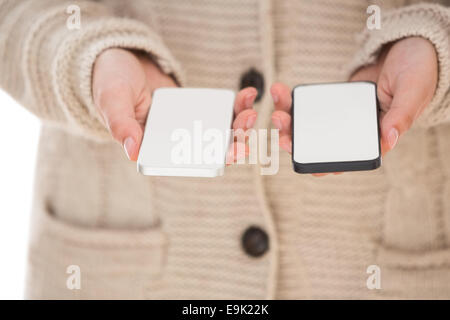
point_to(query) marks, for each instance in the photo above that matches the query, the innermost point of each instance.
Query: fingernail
(277, 123)
(229, 157)
(392, 138)
(251, 121)
(275, 97)
(128, 145)
(287, 146)
(249, 100)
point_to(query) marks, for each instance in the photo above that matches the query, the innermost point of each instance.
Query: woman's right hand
(122, 86)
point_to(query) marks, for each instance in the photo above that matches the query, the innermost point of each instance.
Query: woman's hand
(406, 74)
(122, 86)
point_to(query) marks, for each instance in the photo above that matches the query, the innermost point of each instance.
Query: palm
(153, 78)
(406, 77)
(122, 87)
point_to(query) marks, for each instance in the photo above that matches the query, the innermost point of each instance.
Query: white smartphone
(187, 133)
(335, 127)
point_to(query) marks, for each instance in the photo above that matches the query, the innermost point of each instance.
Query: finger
(367, 73)
(282, 121)
(116, 105)
(409, 100)
(237, 151)
(142, 108)
(245, 119)
(245, 99)
(281, 95)
(320, 174)
(128, 132)
(286, 143)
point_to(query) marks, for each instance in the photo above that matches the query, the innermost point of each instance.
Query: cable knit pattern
(167, 237)
(74, 89)
(425, 20)
(57, 62)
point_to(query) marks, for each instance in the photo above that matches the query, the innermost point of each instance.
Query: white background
(19, 133)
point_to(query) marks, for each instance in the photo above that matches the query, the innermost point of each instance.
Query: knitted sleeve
(47, 52)
(431, 21)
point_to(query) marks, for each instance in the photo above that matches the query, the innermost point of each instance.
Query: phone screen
(335, 126)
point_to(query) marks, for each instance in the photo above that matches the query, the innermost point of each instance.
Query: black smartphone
(335, 127)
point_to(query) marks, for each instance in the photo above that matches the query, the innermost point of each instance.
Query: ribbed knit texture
(160, 237)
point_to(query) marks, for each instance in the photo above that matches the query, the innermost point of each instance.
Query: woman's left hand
(406, 74)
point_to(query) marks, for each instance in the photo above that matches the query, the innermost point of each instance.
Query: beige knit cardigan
(159, 237)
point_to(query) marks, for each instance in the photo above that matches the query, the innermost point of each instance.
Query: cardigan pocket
(72, 262)
(414, 275)
(414, 249)
(413, 256)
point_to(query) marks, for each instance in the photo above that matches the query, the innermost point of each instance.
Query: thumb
(118, 110)
(127, 131)
(404, 109)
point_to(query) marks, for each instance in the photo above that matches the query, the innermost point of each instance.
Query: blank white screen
(180, 108)
(335, 122)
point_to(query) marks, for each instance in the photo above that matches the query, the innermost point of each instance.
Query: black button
(255, 241)
(253, 78)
